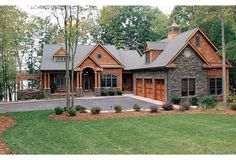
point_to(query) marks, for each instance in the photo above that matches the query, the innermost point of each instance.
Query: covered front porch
(86, 80)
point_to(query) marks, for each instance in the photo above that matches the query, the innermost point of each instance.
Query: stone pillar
(79, 92)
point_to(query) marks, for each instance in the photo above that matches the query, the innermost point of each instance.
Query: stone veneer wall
(155, 74)
(187, 67)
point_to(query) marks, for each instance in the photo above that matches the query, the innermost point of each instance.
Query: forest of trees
(22, 36)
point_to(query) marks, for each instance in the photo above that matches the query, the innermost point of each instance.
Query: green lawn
(164, 134)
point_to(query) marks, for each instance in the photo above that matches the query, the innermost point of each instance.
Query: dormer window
(60, 59)
(197, 41)
(147, 57)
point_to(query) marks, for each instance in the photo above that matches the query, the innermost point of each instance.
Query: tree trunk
(223, 60)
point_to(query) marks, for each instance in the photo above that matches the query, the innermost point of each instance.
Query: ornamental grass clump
(168, 106)
(95, 110)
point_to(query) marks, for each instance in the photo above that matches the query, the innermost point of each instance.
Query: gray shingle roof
(130, 59)
(156, 45)
(172, 48)
(82, 51)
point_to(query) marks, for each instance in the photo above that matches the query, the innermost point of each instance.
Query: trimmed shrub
(185, 106)
(153, 109)
(111, 92)
(233, 106)
(58, 110)
(80, 109)
(119, 92)
(71, 111)
(118, 108)
(53, 87)
(208, 102)
(103, 92)
(95, 110)
(168, 106)
(175, 99)
(193, 101)
(136, 107)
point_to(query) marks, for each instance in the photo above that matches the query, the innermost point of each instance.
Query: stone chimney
(174, 30)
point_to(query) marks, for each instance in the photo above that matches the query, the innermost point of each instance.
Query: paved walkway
(127, 101)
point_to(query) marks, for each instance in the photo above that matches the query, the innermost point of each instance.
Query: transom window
(148, 57)
(197, 39)
(215, 85)
(108, 80)
(188, 87)
(60, 59)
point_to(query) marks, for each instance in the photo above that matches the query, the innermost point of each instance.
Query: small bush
(185, 106)
(153, 109)
(80, 109)
(119, 92)
(167, 106)
(95, 110)
(193, 101)
(233, 106)
(103, 92)
(231, 98)
(118, 108)
(71, 111)
(136, 107)
(59, 110)
(111, 92)
(208, 102)
(175, 99)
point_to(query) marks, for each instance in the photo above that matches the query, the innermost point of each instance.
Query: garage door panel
(139, 87)
(160, 89)
(148, 88)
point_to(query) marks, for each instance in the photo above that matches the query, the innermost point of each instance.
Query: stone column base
(79, 92)
(97, 91)
(47, 92)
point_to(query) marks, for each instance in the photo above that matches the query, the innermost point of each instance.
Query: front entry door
(88, 80)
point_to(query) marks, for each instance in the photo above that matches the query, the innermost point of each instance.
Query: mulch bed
(112, 115)
(5, 122)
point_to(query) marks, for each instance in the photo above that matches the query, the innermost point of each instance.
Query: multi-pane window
(108, 80)
(197, 41)
(215, 86)
(60, 80)
(188, 87)
(148, 57)
(60, 59)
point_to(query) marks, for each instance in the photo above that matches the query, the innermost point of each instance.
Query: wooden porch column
(77, 79)
(99, 80)
(44, 80)
(96, 79)
(48, 80)
(80, 80)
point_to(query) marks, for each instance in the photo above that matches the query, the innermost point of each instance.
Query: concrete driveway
(104, 102)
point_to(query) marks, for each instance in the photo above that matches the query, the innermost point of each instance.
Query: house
(183, 64)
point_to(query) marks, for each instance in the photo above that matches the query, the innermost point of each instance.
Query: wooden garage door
(148, 88)
(139, 87)
(160, 89)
